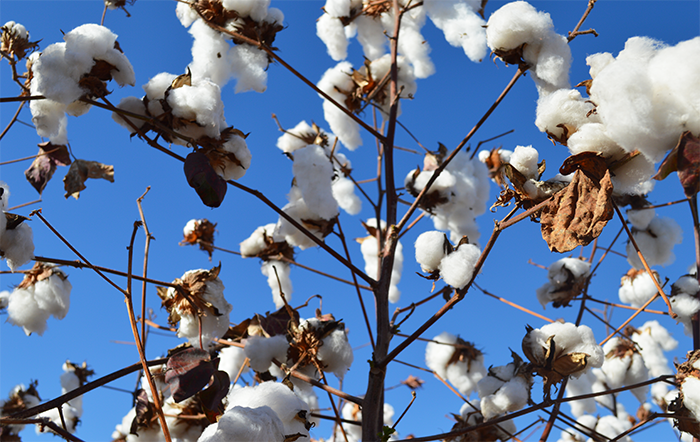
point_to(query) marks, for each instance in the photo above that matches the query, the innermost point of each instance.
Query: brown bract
(14, 45)
(16, 402)
(413, 382)
(304, 342)
(272, 324)
(495, 165)
(39, 272)
(203, 234)
(512, 56)
(577, 215)
(187, 297)
(551, 362)
(80, 171)
(464, 351)
(684, 159)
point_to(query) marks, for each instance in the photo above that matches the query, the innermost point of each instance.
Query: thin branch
(512, 304)
(147, 246)
(12, 121)
(42, 422)
(315, 383)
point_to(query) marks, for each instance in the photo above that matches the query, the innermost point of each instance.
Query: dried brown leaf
(413, 382)
(44, 165)
(80, 171)
(577, 215)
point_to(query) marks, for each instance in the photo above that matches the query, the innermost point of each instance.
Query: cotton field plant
(312, 150)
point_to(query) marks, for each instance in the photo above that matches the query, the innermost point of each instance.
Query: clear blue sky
(445, 107)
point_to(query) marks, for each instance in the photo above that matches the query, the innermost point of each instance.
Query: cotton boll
(239, 148)
(18, 245)
(406, 81)
(580, 386)
(200, 102)
(524, 159)
(344, 193)
(295, 138)
(412, 44)
(551, 64)
(279, 398)
(691, 395)
(209, 54)
(298, 210)
(516, 23)
(566, 278)
(457, 268)
(656, 243)
(255, 9)
(466, 371)
(370, 34)
(256, 242)
(335, 353)
(591, 137)
(186, 14)
(685, 306)
(512, 396)
(652, 339)
(261, 350)
(461, 26)
(313, 173)
(564, 107)
(624, 365)
(334, 79)
(135, 106)
(569, 338)
(332, 33)
(430, 250)
(231, 360)
(637, 287)
(641, 218)
(50, 120)
(277, 273)
(249, 67)
(24, 311)
(260, 424)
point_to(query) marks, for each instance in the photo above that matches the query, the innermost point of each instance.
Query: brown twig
(512, 304)
(12, 121)
(147, 246)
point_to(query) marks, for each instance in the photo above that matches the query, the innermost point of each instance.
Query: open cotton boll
(135, 106)
(551, 62)
(335, 79)
(430, 250)
(256, 243)
(457, 268)
(684, 301)
(17, 245)
(200, 102)
(624, 365)
(277, 273)
(280, 398)
(335, 353)
(210, 59)
(563, 107)
(640, 218)
(439, 351)
(239, 148)
(511, 396)
(294, 138)
(656, 243)
(566, 278)
(19, 394)
(406, 80)
(583, 385)
(313, 173)
(652, 340)
(255, 9)
(331, 31)
(516, 23)
(636, 287)
(568, 338)
(261, 350)
(299, 211)
(260, 424)
(249, 68)
(412, 44)
(463, 372)
(352, 412)
(344, 193)
(460, 23)
(231, 360)
(524, 159)
(370, 34)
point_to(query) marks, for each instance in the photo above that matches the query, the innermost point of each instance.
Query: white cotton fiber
(636, 288)
(457, 268)
(261, 350)
(134, 105)
(277, 273)
(344, 193)
(294, 138)
(313, 173)
(563, 107)
(691, 395)
(370, 34)
(17, 245)
(430, 250)
(297, 209)
(524, 159)
(230, 360)
(280, 398)
(412, 44)
(235, 170)
(256, 243)
(260, 424)
(580, 386)
(370, 253)
(641, 218)
(333, 80)
(439, 351)
(210, 58)
(335, 353)
(200, 102)
(332, 33)
(461, 25)
(249, 67)
(656, 243)
(569, 338)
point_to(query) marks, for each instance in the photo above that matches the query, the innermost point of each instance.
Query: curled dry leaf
(202, 177)
(684, 159)
(80, 171)
(413, 382)
(146, 416)
(44, 164)
(577, 215)
(188, 372)
(202, 234)
(39, 272)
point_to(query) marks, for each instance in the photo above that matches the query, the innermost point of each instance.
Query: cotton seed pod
(687, 404)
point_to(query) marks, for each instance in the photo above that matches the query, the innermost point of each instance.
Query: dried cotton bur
(197, 303)
(199, 232)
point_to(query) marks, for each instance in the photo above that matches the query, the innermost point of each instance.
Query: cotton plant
(505, 388)
(204, 308)
(652, 340)
(44, 292)
(624, 365)
(461, 22)
(356, 89)
(213, 55)
(73, 376)
(558, 350)
(684, 301)
(16, 236)
(637, 287)
(456, 361)
(458, 195)
(567, 278)
(454, 264)
(369, 247)
(19, 399)
(65, 72)
(655, 240)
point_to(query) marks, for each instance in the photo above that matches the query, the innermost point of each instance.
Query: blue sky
(445, 107)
